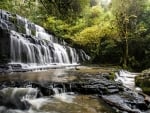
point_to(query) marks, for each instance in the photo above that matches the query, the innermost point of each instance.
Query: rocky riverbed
(121, 99)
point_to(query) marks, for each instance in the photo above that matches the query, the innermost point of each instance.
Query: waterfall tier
(30, 44)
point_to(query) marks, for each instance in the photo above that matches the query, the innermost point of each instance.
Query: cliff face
(4, 46)
(8, 22)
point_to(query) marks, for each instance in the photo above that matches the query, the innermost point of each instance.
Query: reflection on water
(59, 75)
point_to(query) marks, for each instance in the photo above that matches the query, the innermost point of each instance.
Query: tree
(65, 9)
(30, 9)
(126, 13)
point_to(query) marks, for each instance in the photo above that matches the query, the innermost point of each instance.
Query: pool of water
(58, 75)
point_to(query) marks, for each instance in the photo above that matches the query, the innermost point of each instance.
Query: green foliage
(110, 51)
(89, 35)
(59, 27)
(65, 9)
(128, 13)
(109, 33)
(30, 9)
(112, 76)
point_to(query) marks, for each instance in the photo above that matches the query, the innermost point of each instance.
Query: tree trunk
(125, 57)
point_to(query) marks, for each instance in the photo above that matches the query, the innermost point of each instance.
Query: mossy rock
(33, 32)
(21, 29)
(13, 19)
(112, 76)
(143, 81)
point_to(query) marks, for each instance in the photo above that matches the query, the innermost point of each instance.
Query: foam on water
(65, 97)
(26, 94)
(30, 95)
(38, 102)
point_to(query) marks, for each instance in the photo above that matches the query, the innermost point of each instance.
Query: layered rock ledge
(113, 93)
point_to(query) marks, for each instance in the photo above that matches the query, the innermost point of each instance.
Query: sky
(105, 2)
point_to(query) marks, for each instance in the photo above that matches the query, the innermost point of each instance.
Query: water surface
(59, 103)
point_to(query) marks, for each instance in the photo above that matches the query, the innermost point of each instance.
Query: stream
(70, 90)
(64, 102)
(127, 78)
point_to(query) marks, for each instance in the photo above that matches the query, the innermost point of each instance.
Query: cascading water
(127, 78)
(33, 46)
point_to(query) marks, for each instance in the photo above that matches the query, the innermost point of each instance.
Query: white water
(22, 50)
(127, 78)
(29, 95)
(63, 96)
(33, 47)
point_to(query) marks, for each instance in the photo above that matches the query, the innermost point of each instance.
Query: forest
(113, 32)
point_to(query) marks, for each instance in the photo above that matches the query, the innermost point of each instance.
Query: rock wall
(4, 46)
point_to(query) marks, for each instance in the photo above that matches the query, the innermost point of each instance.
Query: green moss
(21, 29)
(13, 19)
(112, 76)
(33, 32)
(146, 90)
(143, 81)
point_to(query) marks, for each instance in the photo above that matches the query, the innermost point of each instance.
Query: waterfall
(31, 45)
(62, 95)
(127, 78)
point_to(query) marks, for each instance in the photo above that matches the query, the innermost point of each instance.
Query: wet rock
(45, 91)
(4, 50)
(13, 103)
(114, 93)
(119, 102)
